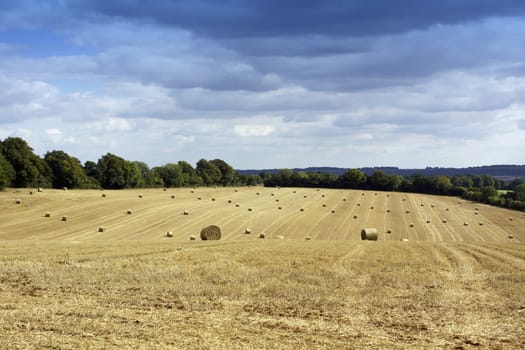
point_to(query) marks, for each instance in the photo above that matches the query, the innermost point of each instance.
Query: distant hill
(504, 172)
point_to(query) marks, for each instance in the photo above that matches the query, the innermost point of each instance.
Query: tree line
(480, 188)
(21, 167)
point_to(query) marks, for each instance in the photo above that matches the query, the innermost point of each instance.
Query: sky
(267, 83)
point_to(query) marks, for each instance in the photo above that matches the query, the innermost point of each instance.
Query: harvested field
(63, 285)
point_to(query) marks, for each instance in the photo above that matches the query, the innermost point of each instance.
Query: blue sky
(265, 84)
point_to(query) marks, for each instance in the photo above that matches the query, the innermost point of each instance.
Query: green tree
(488, 192)
(67, 171)
(116, 173)
(189, 174)
(443, 184)
(170, 174)
(7, 173)
(519, 192)
(30, 169)
(353, 178)
(209, 172)
(227, 172)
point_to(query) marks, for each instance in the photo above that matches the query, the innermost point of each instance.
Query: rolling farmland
(456, 283)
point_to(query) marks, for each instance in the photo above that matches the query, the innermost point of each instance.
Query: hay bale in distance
(411, 224)
(279, 207)
(279, 237)
(511, 236)
(40, 189)
(164, 189)
(404, 239)
(247, 231)
(324, 205)
(333, 211)
(199, 198)
(308, 238)
(172, 196)
(305, 196)
(428, 221)
(47, 214)
(229, 200)
(213, 199)
(388, 210)
(64, 188)
(64, 218)
(129, 212)
(211, 233)
(481, 223)
(169, 234)
(250, 209)
(18, 201)
(237, 205)
(192, 238)
(277, 199)
(103, 195)
(444, 221)
(262, 235)
(258, 193)
(408, 211)
(446, 209)
(185, 212)
(302, 209)
(101, 229)
(369, 234)
(510, 219)
(465, 223)
(372, 207)
(140, 196)
(344, 199)
(323, 195)
(389, 231)
(355, 216)
(358, 204)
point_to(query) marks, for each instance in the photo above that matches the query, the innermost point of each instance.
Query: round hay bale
(446, 209)
(31, 192)
(140, 196)
(481, 223)
(258, 193)
(465, 223)
(333, 211)
(389, 231)
(273, 194)
(404, 199)
(355, 216)
(103, 195)
(172, 196)
(369, 234)
(185, 212)
(40, 189)
(164, 189)
(432, 205)
(236, 190)
(229, 200)
(192, 191)
(294, 191)
(444, 221)
(211, 233)
(375, 193)
(101, 229)
(475, 213)
(199, 198)
(344, 199)
(324, 205)
(302, 209)
(18, 201)
(237, 205)
(408, 211)
(129, 212)
(169, 234)
(262, 235)
(422, 204)
(362, 193)
(511, 236)
(358, 204)
(428, 221)
(411, 224)
(459, 202)
(277, 199)
(404, 239)
(388, 210)
(47, 214)
(213, 199)
(247, 231)
(279, 207)
(305, 196)
(323, 195)
(510, 219)
(64, 188)
(307, 238)
(279, 237)
(388, 195)
(250, 209)
(192, 238)
(476, 208)
(64, 218)
(372, 207)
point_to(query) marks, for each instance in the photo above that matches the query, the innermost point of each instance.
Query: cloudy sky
(267, 83)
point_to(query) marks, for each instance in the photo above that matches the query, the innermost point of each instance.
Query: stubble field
(458, 282)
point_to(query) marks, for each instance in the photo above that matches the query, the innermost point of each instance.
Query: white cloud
(253, 130)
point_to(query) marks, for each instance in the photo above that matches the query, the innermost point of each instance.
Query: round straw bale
(247, 231)
(481, 223)
(262, 235)
(64, 188)
(358, 204)
(64, 218)
(465, 223)
(236, 190)
(408, 211)
(211, 233)
(101, 229)
(279, 237)
(510, 219)
(213, 199)
(308, 238)
(333, 211)
(388, 195)
(305, 196)
(428, 221)
(369, 234)
(411, 224)
(444, 221)
(422, 204)
(389, 230)
(185, 212)
(18, 201)
(459, 202)
(140, 196)
(404, 199)
(250, 209)
(30, 192)
(475, 213)
(446, 209)
(279, 207)
(237, 205)
(192, 191)
(277, 199)
(273, 194)
(229, 200)
(172, 196)
(129, 212)
(375, 193)
(164, 189)
(404, 239)
(103, 195)
(294, 191)
(258, 193)
(388, 210)
(192, 238)
(323, 195)
(432, 205)
(324, 205)
(362, 193)
(302, 209)
(169, 234)
(344, 199)
(476, 208)
(511, 236)
(40, 189)
(372, 207)
(199, 198)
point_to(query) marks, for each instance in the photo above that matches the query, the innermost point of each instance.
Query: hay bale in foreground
(369, 234)
(169, 234)
(211, 233)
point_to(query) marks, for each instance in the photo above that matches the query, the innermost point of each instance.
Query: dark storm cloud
(257, 18)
